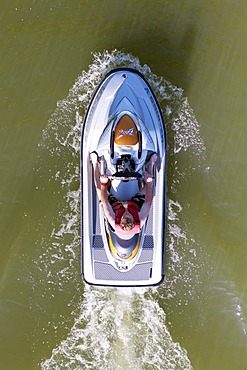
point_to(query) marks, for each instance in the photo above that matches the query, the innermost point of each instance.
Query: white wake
(117, 328)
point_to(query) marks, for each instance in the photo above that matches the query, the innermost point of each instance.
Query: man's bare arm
(106, 205)
(148, 199)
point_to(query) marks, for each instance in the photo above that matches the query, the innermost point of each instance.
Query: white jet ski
(124, 126)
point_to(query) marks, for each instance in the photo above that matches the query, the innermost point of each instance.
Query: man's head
(127, 222)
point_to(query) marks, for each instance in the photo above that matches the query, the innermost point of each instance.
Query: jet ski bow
(124, 128)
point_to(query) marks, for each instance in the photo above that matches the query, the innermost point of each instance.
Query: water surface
(194, 55)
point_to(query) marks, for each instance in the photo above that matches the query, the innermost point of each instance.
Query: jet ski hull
(123, 92)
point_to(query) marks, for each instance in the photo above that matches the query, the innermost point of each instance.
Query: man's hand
(148, 178)
(103, 179)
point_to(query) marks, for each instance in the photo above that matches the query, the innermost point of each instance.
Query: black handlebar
(125, 176)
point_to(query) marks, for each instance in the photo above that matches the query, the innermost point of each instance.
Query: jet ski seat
(126, 132)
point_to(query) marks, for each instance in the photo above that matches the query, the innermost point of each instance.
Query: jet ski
(124, 126)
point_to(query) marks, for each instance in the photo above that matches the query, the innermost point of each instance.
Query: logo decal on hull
(129, 132)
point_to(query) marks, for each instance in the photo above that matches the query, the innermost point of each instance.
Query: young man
(126, 218)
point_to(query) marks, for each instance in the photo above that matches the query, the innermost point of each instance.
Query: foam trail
(115, 329)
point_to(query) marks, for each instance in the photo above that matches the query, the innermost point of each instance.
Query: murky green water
(197, 53)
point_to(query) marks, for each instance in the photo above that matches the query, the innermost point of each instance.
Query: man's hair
(127, 223)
